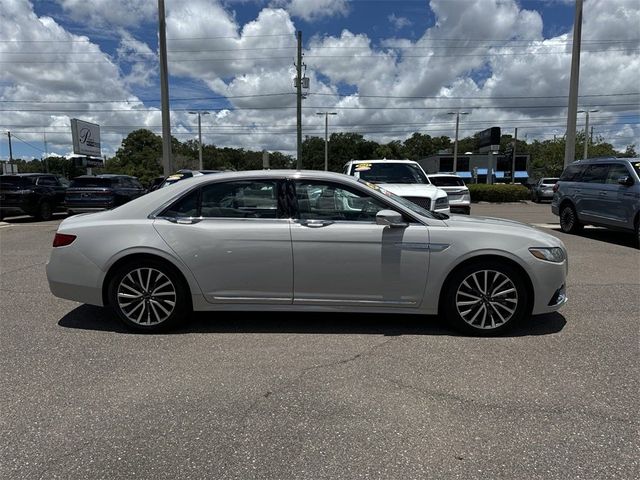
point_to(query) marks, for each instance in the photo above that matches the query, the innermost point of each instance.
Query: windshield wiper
(439, 216)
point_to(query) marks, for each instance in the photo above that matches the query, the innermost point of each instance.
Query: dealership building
(486, 166)
(474, 167)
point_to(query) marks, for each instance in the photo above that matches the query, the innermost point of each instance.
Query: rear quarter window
(572, 173)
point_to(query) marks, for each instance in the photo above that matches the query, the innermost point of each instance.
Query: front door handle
(315, 223)
(602, 194)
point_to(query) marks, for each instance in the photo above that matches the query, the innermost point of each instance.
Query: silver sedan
(304, 241)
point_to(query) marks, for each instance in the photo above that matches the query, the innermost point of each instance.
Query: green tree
(139, 155)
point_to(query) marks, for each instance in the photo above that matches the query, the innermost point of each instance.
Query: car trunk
(90, 193)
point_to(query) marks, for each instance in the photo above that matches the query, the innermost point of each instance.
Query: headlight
(550, 254)
(442, 202)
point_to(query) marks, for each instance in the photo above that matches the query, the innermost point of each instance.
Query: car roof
(605, 159)
(28, 174)
(383, 160)
(443, 175)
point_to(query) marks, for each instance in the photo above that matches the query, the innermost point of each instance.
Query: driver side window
(329, 201)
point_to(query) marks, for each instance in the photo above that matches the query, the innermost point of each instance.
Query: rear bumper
(73, 276)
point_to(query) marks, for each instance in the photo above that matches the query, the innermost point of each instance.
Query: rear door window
(572, 173)
(596, 173)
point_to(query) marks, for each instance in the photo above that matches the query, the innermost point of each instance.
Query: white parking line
(556, 225)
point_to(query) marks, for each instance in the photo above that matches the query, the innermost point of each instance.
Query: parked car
(35, 194)
(543, 189)
(89, 193)
(457, 191)
(402, 177)
(602, 192)
(183, 174)
(303, 241)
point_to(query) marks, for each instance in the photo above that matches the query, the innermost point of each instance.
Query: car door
(591, 203)
(619, 207)
(342, 257)
(235, 239)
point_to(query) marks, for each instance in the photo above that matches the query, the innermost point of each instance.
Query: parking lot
(322, 396)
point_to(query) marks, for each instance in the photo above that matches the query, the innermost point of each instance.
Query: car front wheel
(569, 222)
(148, 296)
(485, 299)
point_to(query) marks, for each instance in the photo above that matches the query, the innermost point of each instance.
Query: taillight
(63, 239)
(555, 188)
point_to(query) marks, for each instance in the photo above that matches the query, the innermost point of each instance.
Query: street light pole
(326, 137)
(199, 113)
(455, 144)
(586, 132)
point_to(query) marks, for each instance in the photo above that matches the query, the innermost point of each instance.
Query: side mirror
(625, 180)
(391, 219)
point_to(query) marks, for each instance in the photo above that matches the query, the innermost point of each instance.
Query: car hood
(491, 223)
(414, 190)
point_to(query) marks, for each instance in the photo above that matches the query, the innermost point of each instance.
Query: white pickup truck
(402, 177)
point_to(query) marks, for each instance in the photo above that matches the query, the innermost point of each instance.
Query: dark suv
(35, 194)
(101, 192)
(603, 192)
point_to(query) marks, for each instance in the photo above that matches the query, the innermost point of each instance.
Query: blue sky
(388, 67)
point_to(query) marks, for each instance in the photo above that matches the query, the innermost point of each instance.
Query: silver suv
(603, 192)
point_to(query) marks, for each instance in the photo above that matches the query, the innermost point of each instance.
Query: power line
(307, 56)
(222, 97)
(469, 107)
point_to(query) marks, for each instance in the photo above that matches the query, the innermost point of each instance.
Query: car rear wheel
(148, 296)
(45, 211)
(569, 222)
(485, 299)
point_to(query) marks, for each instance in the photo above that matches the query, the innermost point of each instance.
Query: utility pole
(199, 113)
(164, 92)
(513, 159)
(455, 144)
(586, 132)
(10, 149)
(299, 100)
(326, 137)
(570, 145)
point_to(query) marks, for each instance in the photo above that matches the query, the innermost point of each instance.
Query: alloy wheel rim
(567, 217)
(486, 299)
(146, 296)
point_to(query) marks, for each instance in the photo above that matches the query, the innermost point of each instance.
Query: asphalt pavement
(322, 396)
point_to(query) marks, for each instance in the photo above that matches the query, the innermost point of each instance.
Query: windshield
(389, 172)
(403, 201)
(96, 182)
(450, 181)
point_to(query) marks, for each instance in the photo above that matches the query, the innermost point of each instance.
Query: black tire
(489, 307)
(159, 299)
(569, 222)
(638, 233)
(45, 211)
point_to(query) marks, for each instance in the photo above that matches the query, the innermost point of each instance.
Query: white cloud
(126, 13)
(461, 56)
(399, 22)
(311, 10)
